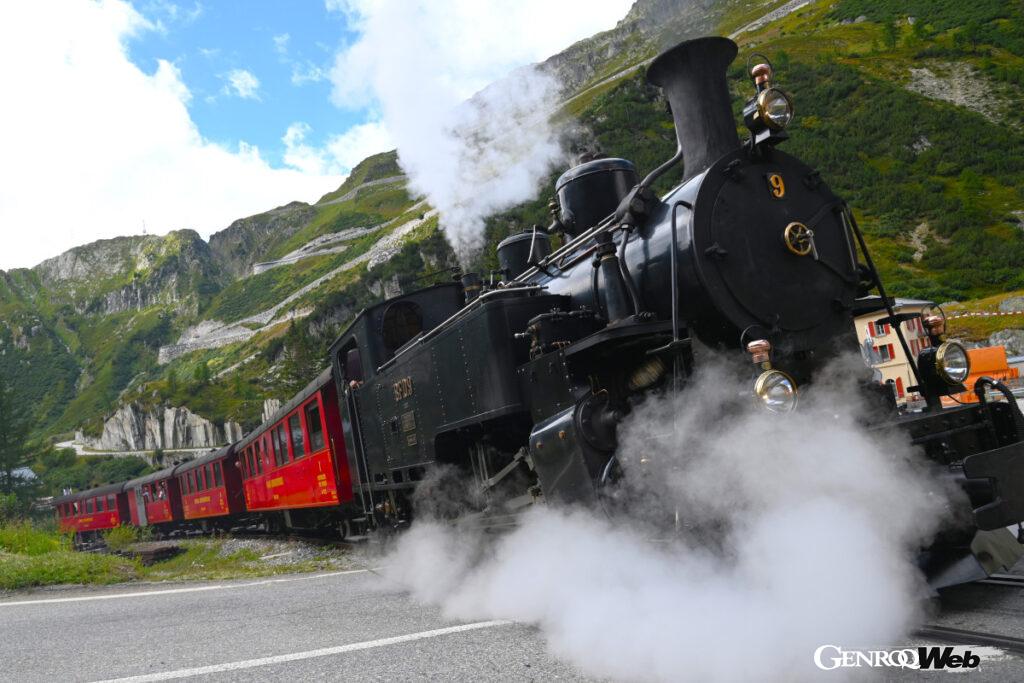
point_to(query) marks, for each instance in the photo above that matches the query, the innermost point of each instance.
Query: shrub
(120, 537)
(26, 539)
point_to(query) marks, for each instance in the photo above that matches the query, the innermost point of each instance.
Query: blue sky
(288, 47)
(186, 114)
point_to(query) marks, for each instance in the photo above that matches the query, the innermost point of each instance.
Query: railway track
(956, 636)
(1011, 580)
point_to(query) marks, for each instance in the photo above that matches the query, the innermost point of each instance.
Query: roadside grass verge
(61, 567)
(206, 559)
(33, 557)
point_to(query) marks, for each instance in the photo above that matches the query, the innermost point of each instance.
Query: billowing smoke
(470, 121)
(795, 531)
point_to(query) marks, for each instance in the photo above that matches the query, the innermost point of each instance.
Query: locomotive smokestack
(692, 75)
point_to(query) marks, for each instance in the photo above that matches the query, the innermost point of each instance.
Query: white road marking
(170, 591)
(310, 654)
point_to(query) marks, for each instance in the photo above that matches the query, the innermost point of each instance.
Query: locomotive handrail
(567, 248)
(475, 303)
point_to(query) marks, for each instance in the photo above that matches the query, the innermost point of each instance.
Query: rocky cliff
(134, 428)
(133, 273)
(248, 240)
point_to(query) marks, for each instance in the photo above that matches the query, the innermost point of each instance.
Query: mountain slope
(914, 119)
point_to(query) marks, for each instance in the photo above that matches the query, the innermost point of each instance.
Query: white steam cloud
(798, 531)
(470, 149)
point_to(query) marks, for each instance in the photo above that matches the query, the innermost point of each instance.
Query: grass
(31, 555)
(121, 537)
(25, 538)
(205, 560)
(63, 567)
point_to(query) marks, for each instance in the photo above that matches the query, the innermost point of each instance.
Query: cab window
(315, 427)
(401, 322)
(298, 441)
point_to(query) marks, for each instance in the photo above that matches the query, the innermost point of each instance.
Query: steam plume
(798, 531)
(470, 148)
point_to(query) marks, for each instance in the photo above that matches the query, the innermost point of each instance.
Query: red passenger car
(211, 488)
(153, 499)
(89, 512)
(295, 462)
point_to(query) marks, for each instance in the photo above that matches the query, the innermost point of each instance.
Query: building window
(298, 442)
(315, 427)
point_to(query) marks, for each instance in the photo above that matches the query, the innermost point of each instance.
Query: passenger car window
(99, 505)
(315, 427)
(217, 476)
(298, 442)
(112, 503)
(280, 446)
(260, 452)
(88, 506)
(209, 475)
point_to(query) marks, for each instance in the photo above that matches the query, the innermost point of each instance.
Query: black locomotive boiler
(522, 383)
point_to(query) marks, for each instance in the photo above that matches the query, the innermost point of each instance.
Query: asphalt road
(329, 626)
(337, 626)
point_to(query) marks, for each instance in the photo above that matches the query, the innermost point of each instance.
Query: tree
(301, 359)
(172, 382)
(890, 34)
(15, 453)
(202, 374)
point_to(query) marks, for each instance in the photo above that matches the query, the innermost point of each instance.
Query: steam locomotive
(521, 383)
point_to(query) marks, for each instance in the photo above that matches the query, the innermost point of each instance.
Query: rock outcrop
(132, 273)
(248, 240)
(1013, 340)
(134, 428)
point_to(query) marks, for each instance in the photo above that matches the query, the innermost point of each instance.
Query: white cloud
(307, 73)
(93, 146)
(243, 84)
(418, 61)
(281, 43)
(340, 153)
(359, 142)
